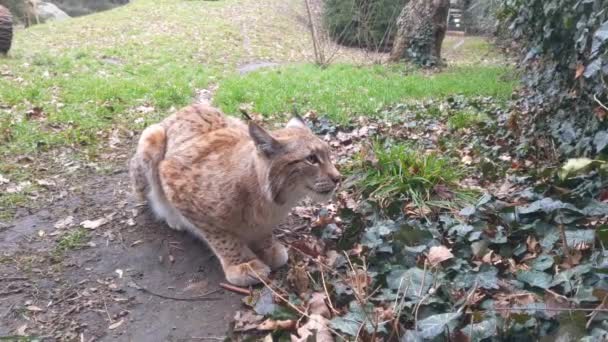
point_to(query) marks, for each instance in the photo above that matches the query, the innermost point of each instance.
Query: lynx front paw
(247, 273)
(275, 256)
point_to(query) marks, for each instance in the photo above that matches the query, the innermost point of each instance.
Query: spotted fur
(230, 183)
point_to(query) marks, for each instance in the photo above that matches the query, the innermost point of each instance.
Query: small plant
(72, 240)
(402, 173)
(467, 119)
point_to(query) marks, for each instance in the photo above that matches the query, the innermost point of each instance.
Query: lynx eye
(313, 159)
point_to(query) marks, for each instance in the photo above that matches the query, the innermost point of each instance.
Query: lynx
(230, 183)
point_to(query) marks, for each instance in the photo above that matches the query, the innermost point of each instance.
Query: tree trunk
(6, 30)
(421, 27)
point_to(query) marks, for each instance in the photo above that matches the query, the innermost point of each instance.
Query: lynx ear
(297, 122)
(263, 140)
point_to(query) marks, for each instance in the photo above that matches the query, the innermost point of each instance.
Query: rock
(49, 12)
(6, 30)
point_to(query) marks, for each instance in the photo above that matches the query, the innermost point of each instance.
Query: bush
(364, 23)
(565, 54)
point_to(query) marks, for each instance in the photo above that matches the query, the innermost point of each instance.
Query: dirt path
(85, 293)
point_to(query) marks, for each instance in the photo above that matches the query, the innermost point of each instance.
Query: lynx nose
(335, 176)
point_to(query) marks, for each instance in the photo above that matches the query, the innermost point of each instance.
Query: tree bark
(421, 28)
(6, 30)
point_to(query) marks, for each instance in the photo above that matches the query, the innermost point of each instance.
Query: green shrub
(364, 23)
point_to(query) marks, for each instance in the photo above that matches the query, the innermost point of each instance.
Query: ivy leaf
(486, 279)
(433, 326)
(535, 278)
(596, 208)
(412, 279)
(582, 236)
(574, 166)
(542, 263)
(566, 275)
(481, 330)
(546, 205)
(600, 140)
(599, 38)
(461, 229)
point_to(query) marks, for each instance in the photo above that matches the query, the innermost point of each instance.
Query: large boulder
(6, 30)
(49, 12)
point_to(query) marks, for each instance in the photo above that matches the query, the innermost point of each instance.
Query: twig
(236, 289)
(599, 102)
(331, 306)
(245, 114)
(293, 306)
(594, 313)
(12, 292)
(13, 279)
(107, 312)
(202, 297)
(422, 282)
(468, 297)
(566, 251)
(318, 55)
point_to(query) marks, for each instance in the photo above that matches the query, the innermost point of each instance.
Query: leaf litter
(519, 257)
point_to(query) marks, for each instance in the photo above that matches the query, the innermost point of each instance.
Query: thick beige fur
(230, 183)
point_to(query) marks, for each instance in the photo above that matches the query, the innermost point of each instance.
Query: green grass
(466, 119)
(404, 173)
(73, 240)
(344, 91)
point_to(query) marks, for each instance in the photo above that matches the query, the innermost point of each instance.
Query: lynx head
(298, 163)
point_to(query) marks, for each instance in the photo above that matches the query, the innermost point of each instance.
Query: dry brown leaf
(359, 281)
(532, 244)
(317, 328)
(580, 69)
(116, 325)
(438, 254)
(317, 305)
(298, 279)
(93, 224)
(246, 320)
(271, 325)
(33, 308)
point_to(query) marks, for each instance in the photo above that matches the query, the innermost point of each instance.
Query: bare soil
(91, 292)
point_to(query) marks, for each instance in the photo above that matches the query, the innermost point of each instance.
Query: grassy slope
(71, 84)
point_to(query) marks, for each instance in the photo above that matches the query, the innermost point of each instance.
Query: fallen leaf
(317, 305)
(116, 325)
(298, 278)
(438, 254)
(64, 223)
(137, 242)
(21, 330)
(34, 308)
(45, 183)
(271, 324)
(316, 329)
(580, 69)
(94, 224)
(246, 320)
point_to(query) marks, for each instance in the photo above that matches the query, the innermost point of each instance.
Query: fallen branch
(202, 297)
(9, 293)
(14, 279)
(236, 289)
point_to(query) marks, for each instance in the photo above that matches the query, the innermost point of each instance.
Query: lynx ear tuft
(263, 140)
(297, 122)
